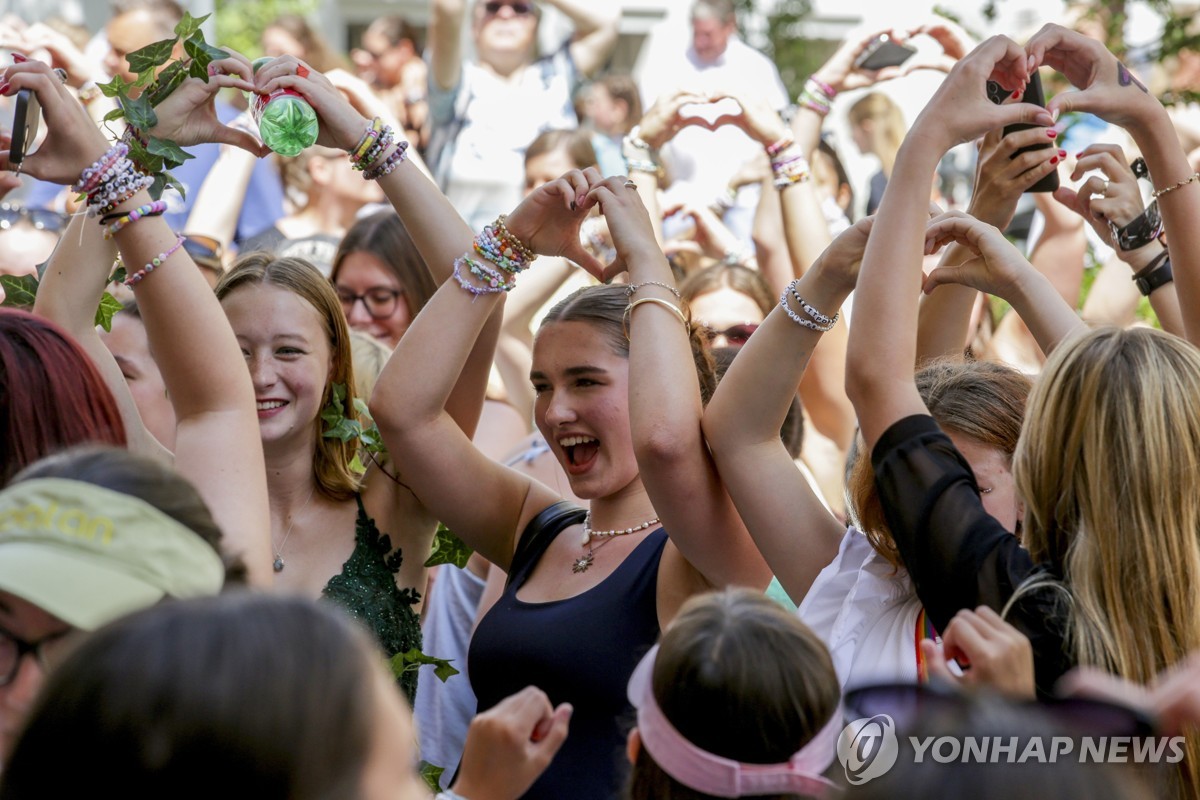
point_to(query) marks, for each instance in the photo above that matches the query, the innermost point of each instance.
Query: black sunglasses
(519, 9)
(40, 218)
(736, 335)
(916, 705)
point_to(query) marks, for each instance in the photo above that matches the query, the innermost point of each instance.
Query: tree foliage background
(240, 23)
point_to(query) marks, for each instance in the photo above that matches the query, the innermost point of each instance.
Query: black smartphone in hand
(883, 52)
(1036, 95)
(26, 118)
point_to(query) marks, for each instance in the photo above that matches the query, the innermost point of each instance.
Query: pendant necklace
(279, 562)
(582, 563)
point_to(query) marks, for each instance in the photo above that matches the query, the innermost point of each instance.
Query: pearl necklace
(585, 561)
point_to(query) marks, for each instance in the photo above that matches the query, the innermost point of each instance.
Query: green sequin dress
(366, 587)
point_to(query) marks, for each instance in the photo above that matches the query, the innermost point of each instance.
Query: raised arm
(217, 443)
(945, 315)
(791, 527)
(665, 407)
(445, 43)
(596, 27)
(1118, 200)
(1108, 89)
(879, 373)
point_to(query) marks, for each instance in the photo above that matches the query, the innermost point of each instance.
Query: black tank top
(580, 650)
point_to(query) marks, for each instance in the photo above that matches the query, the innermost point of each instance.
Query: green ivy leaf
(152, 56)
(414, 659)
(202, 53)
(116, 113)
(118, 275)
(189, 25)
(357, 466)
(432, 775)
(448, 549)
(346, 430)
(109, 306)
(117, 87)
(19, 291)
(140, 114)
(172, 154)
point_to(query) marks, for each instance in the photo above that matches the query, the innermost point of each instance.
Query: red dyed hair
(51, 395)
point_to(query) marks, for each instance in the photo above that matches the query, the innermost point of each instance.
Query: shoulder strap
(540, 532)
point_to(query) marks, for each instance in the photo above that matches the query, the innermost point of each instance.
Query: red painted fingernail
(19, 59)
(1053, 134)
(1062, 153)
(1054, 160)
(1016, 94)
(3, 87)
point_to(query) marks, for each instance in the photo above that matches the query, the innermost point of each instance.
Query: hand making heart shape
(549, 218)
(672, 113)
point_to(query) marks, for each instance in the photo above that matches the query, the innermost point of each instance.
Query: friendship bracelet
(657, 301)
(154, 263)
(634, 139)
(141, 212)
(394, 160)
(633, 287)
(491, 246)
(824, 88)
(796, 318)
(639, 165)
(812, 312)
(374, 130)
(1160, 192)
(91, 177)
(505, 235)
(375, 148)
(778, 147)
(466, 284)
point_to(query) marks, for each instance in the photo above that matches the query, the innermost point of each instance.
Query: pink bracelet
(154, 264)
(824, 87)
(787, 141)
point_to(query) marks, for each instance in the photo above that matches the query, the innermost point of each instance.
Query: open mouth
(267, 408)
(580, 452)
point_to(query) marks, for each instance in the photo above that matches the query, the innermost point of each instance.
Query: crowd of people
(711, 534)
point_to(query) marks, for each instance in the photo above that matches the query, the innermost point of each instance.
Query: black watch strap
(1156, 274)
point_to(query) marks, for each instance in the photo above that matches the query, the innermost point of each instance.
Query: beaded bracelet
(1160, 192)
(633, 287)
(778, 147)
(466, 284)
(377, 149)
(91, 177)
(827, 91)
(154, 263)
(389, 165)
(634, 139)
(122, 194)
(674, 309)
(121, 220)
(506, 236)
(640, 165)
(796, 318)
(491, 246)
(374, 130)
(494, 280)
(820, 318)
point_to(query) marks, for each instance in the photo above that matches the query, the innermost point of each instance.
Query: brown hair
(741, 678)
(729, 276)
(332, 457)
(604, 307)
(625, 89)
(576, 143)
(384, 236)
(317, 52)
(981, 400)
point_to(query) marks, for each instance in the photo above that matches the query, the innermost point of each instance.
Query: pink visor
(723, 777)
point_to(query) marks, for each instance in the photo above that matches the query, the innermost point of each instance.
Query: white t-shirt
(866, 611)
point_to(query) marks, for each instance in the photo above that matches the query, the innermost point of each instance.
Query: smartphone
(26, 118)
(1036, 95)
(883, 52)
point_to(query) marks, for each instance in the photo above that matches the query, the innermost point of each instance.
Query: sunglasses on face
(914, 705)
(39, 218)
(736, 335)
(519, 9)
(379, 301)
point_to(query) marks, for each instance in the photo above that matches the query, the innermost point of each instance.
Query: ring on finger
(1104, 191)
(61, 74)
(630, 185)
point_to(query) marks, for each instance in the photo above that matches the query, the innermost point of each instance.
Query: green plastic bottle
(286, 122)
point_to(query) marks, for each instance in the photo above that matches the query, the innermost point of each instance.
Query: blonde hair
(331, 457)
(888, 131)
(1108, 464)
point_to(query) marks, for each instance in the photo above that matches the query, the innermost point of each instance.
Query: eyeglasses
(13, 649)
(40, 218)
(912, 706)
(519, 9)
(736, 335)
(379, 301)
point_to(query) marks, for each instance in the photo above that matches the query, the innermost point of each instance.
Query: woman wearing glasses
(484, 113)
(380, 278)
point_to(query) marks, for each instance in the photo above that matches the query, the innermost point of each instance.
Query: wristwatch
(1141, 231)
(1155, 274)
